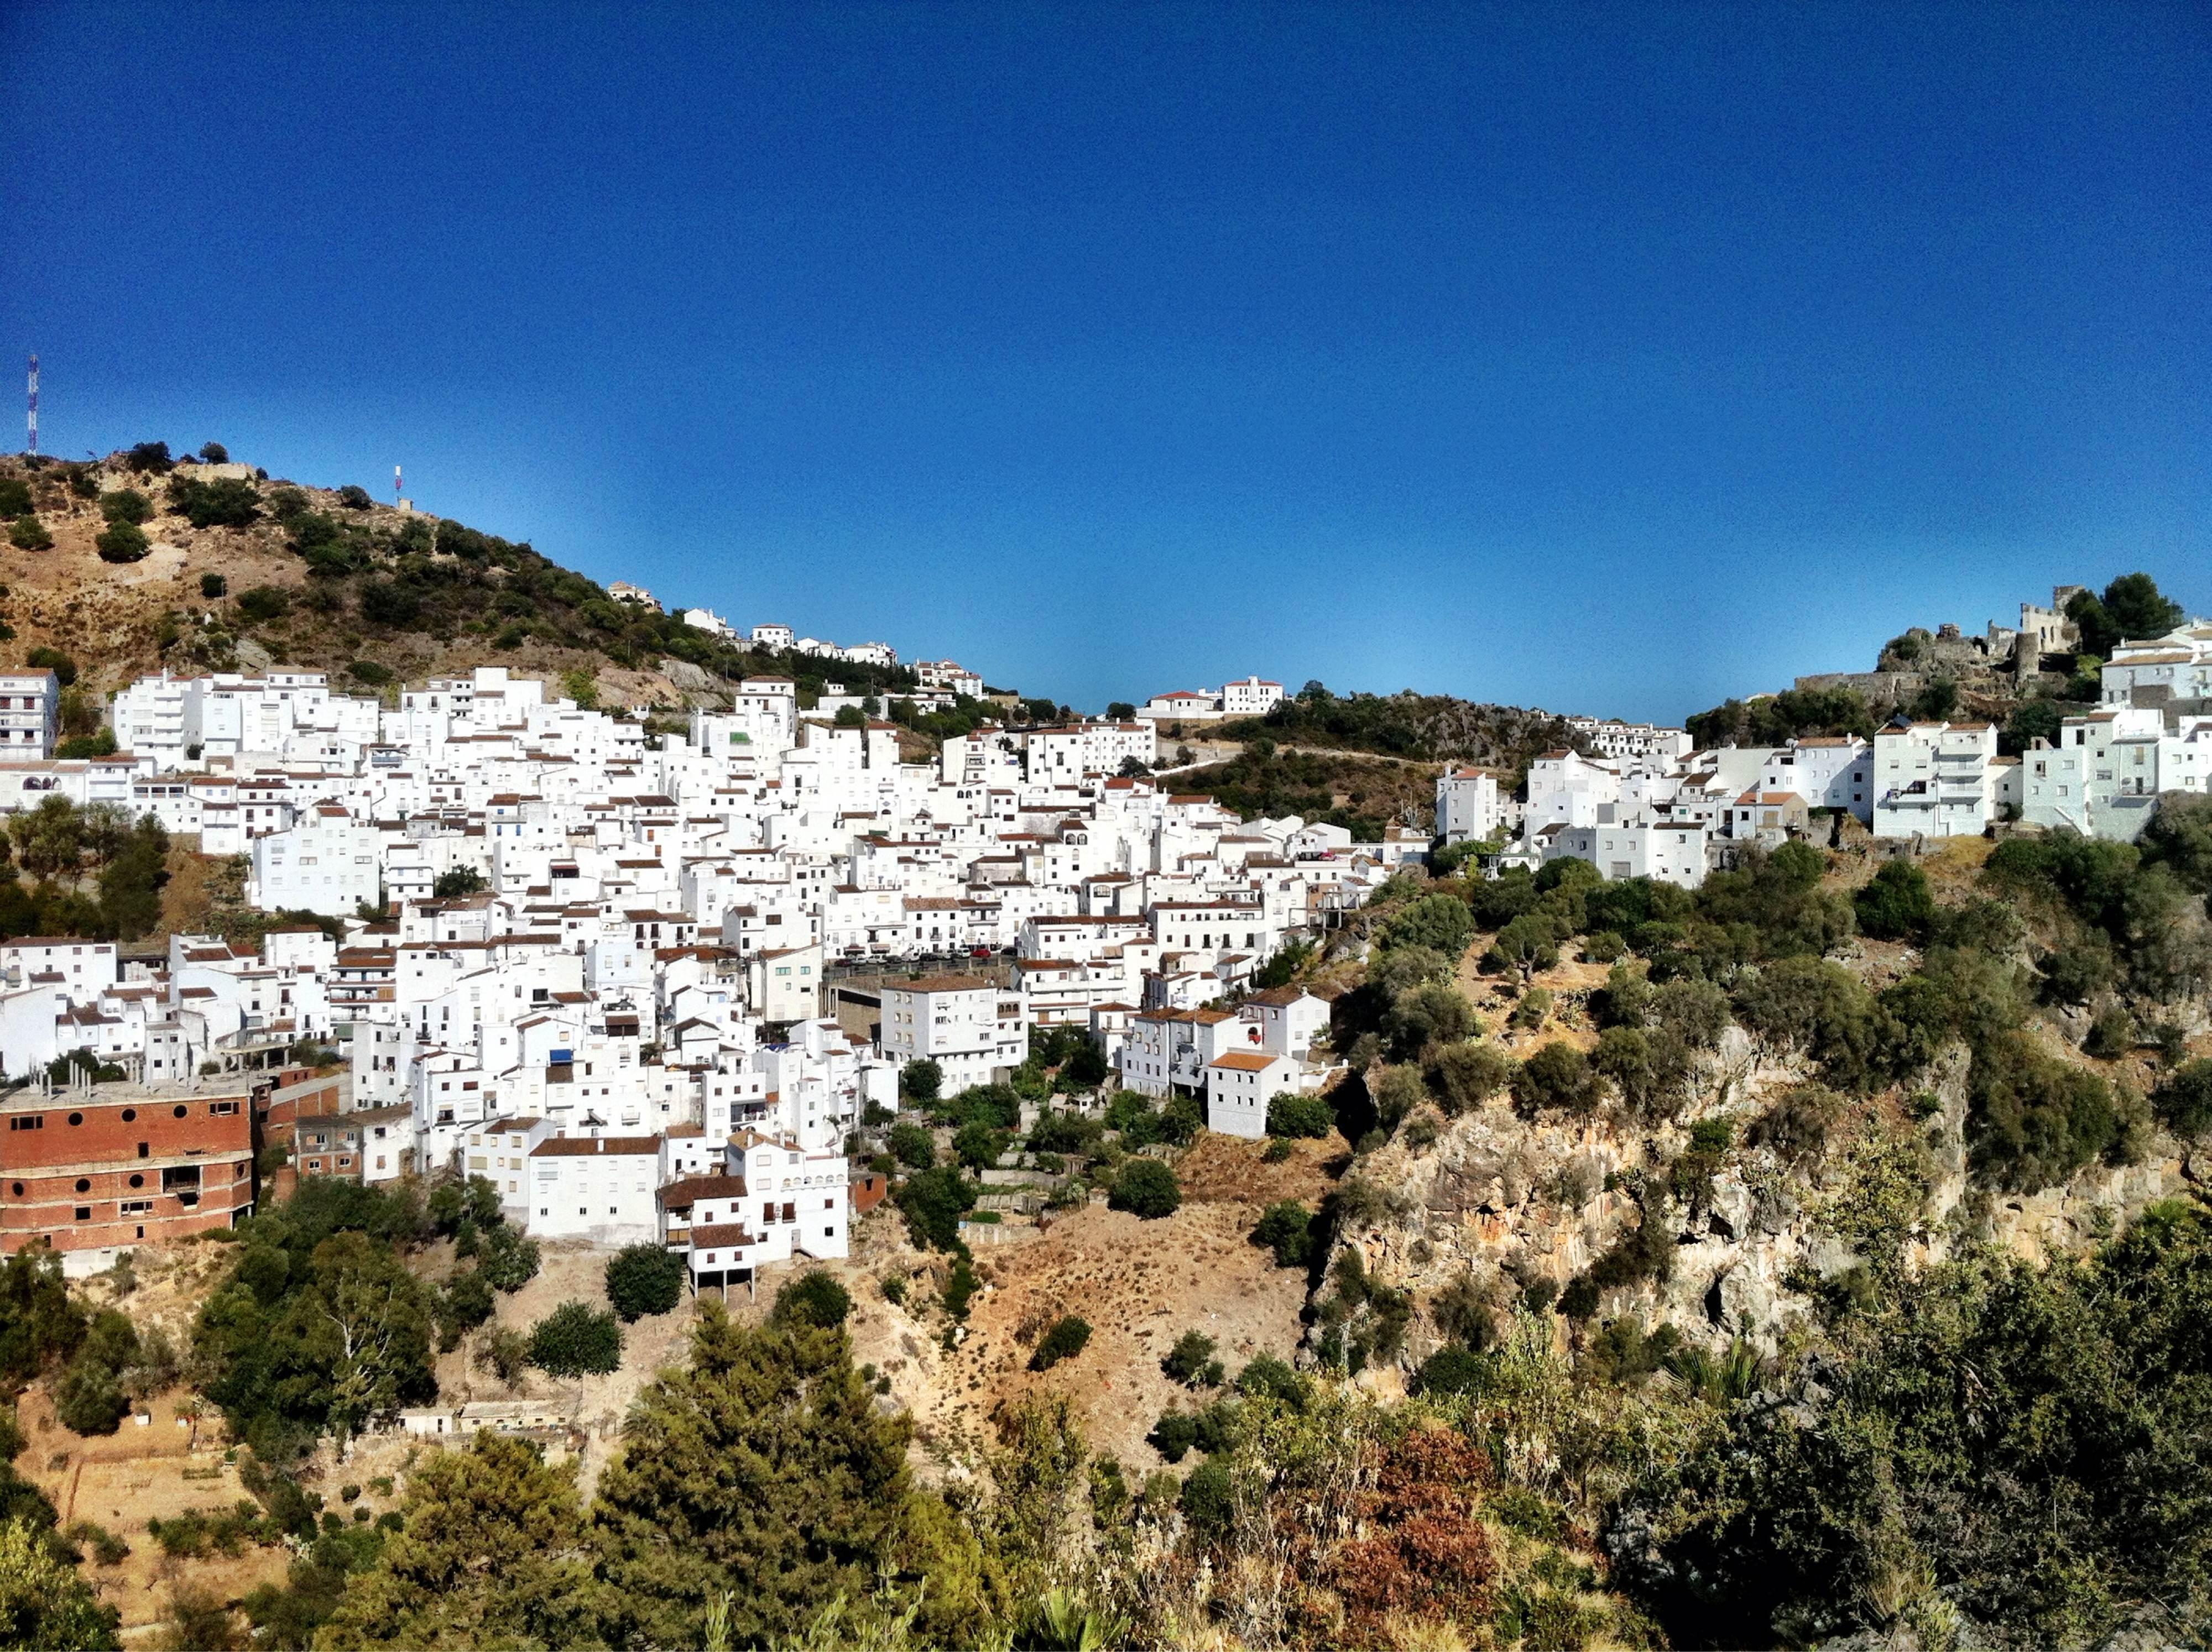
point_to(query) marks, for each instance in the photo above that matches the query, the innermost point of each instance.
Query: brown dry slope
(1138, 1284)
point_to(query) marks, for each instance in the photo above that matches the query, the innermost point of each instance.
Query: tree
(1299, 1115)
(28, 533)
(1526, 943)
(2183, 1100)
(54, 660)
(576, 1339)
(644, 1280)
(355, 497)
(458, 883)
(45, 1607)
(148, 458)
(1287, 1228)
(933, 1201)
(491, 1552)
(508, 1258)
(39, 1325)
(1896, 904)
(122, 542)
(1558, 1075)
(1146, 1187)
(760, 1474)
(978, 1145)
(1067, 1337)
(1463, 1076)
(2179, 838)
(919, 1082)
(2137, 609)
(1440, 922)
(125, 505)
(911, 1146)
(15, 496)
(215, 452)
(227, 502)
(260, 604)
(813, 1298)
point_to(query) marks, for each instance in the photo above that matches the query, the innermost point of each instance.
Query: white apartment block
(600, 1189)
(1830, 772)
(30, 714)
(1467, 806)
(1665, 852)
(973, 1030)
(2163, 670)
(2105, 776)
(326, 864)
(1611, 737)
(1935, 779)
(1250, 697)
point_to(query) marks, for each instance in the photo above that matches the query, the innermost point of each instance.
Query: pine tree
(760, 1471)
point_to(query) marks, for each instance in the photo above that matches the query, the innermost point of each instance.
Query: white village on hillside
(651, 984)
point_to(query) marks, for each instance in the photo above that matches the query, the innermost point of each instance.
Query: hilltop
(149, 563)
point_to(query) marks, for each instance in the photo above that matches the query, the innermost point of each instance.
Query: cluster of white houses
(650, 985)
(593, 965)
(1642, 803)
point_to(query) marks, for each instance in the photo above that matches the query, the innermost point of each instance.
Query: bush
(813, 1298)
(383, 603)
(28, 533)
(1067, 1339)
(509, 1260)
(1463, 1076)
(1287, 1228)
(213, 585)
(368, 672)
(264, 603)
(1209, 1498)
(355, 497)
(644, 1280)
(1559, 1075)
(232, 503)
(1440, 922)
(1451, 1370)
(54, 660)
(148, 458)
(1897, 905)
(15, 496)
(912, 1146)
(933, 1201)
(920, 1081)
(122, 542)
(1147, 1189)
(1174, 1435)
(463, 1303)
(1299, 1115)
(2182, 1101)
(1191, 1358)
(576, 1339)
(458, 883)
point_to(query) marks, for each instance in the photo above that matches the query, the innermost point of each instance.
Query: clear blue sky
(1611, 360)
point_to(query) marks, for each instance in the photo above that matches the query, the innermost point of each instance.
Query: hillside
(245, 572)
(1425, 727)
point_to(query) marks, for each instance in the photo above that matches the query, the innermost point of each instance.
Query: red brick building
(97, 1171)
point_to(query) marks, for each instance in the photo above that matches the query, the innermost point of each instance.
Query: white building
(600, 1188)
(1250, 697)
(2105, 776)
(1829, 773)
(1665, 852)
(30, 714)
(970, 1028)
(1611, 737)
(325, 864)
(1935, 779)
(1239, 1084)
(707, 620)
(1467, 808)
(774, 636)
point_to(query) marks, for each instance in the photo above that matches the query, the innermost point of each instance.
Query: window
(27, 1122)
(221, 1109)
(84, 1213)
(180, 1110)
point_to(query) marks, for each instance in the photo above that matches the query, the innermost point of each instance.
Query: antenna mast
(34, 406)
(396, 489)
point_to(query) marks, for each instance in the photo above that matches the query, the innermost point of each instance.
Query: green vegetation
(1793, 714)
(96, 873)
(1067, 1337)
(28, 533)
(123, 542)
(643, 1279)
(1146, 1187)
(814, 1298)
(576, 1339)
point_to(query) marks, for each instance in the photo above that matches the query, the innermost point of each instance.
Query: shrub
(1147, 1189)
(576, 1339)
(383, 603)
(644, 1280)
(920, 1081)
(148, 458)
(933, 1201)
(458, 883)
(1299, 1115)
(1463, 1076)
(1174, 1435)
(232, 503)
(509, 1260)
(54, 660)
(1440, 922)
(2184, 1099)
(264, 603)
(503, 1352)
(1269, 1378)
(463, 1303)
(355, 497)
(1067, 1339)
(15, 496)
(1287, 1229)
(1559, 1075)
(28, 533)
(368, 672)
(912, 1146)
(213, 585)
(1897, 905)
(88, 1399)
(1190, 1359)
(813, 1298)
(1209, 1498)
(122, 542)
(1451, 1370)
